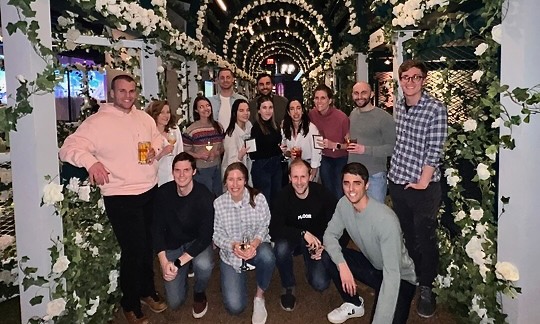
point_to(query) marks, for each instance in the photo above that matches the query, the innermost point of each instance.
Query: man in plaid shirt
(421, 129)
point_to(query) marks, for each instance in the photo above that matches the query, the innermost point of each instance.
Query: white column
(519, 240)
(149, 63)
(397, 50)
(361, 67)
(33, 153)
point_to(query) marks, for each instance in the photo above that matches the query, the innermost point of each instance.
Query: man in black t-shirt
(300, 214)
(182, 233)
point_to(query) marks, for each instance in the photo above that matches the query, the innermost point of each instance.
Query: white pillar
(33, 153)
(400, 37)
(518, 240)
(149, 63)
(361, 67)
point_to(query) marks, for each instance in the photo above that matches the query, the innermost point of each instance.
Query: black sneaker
(426, 302)
(288, 301)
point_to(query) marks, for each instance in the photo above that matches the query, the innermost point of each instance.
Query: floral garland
(342, 55)
(471, 278)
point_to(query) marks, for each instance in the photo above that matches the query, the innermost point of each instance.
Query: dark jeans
(417, 212)
(315, 271)
(266, 176)
(131, 220)
(364, 271)
(331, 174)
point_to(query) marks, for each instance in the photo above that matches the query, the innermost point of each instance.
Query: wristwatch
(338, 146)
(177, 263)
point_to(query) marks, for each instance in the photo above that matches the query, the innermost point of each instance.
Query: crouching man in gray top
(382, 263)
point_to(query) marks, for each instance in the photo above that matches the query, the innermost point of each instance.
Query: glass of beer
(350, 140)
(296, 152)
(143, 148)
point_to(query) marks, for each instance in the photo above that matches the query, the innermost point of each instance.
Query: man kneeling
(382, 263)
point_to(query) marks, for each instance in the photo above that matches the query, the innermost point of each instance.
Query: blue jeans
(316, 274)
(234, 284)
(363, 271)
(266, 175)
(211, 178)
(377, 186)
(330, 171)
(203, 264)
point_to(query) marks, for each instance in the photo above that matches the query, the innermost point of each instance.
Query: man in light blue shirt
(223, 101)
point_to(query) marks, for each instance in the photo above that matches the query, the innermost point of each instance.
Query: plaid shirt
(421, 134)
(232, 220)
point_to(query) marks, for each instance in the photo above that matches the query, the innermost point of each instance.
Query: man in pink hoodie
(106, 144)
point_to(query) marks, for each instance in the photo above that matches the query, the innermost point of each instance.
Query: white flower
(475, 251)
(72, 34)
(507, 271)
(98, 227)
(460, 215)
(6, 276)
(481, 228)
(21, 79)
(160, 69)
(470, 125)
(5, 241)
(5, 176)
(113, 281)
(63, 22)
(55, 308)
(496, 33)
(52, 193)
(73, 184)
(61, 264)
(480, 49)
(483, 171)
(78, 239)
(101, 204)
(355, 30)
(477, 214)
(95, 304)
(496, 123)
(453, 180)
(95, 251)
(448, 172)
(477, 75)
(84, 193)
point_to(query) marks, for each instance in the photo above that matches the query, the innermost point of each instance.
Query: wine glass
(244, 245)
(171, 138)
(209, 147)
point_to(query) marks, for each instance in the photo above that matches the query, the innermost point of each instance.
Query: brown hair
(242, 168)
(264, 127)
(124, 77)
(409, 64)
(155, 108)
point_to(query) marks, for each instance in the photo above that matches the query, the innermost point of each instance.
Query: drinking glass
(244, 245)
(171, 138)
(143, 148)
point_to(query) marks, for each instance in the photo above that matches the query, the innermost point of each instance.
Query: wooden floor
(311, 307)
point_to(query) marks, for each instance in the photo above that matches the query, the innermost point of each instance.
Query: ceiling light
(222, 5)
(291, 68)
(262, 37)
(268, 20)
(250, 29)
(284, 68)
(287, 20)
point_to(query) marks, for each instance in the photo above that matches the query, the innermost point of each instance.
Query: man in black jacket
(182, 233)
(299, 217)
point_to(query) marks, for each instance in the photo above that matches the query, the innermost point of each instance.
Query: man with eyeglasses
(421, 129)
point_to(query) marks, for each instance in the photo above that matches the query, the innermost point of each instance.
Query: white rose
(73, 184)
(453, 180)
(477, 75)
(95, 251)
(101, 204)
(95, 304)
(475, 251)
(483, 171)
(481, 228)
(507, 271)
(355, 30)
(160, 69)
(496, 33)
(460, 215)
(55, 308)
(98, 227)
(113, 281)
(78, 239)
(63, 22)
(5, 241)
(448, 172)
(52, 193)
(84, 193)
(496, 123)
(470, 125)
(480, 49)
(61, 264)
(477, 214)
(6, 276)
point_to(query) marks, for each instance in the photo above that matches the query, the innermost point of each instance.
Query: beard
(363, 102)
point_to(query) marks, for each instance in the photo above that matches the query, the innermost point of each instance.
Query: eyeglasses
(414, 78)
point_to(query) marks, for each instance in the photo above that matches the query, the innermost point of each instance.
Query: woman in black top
(266, 167)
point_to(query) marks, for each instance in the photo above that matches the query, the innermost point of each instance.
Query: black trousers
(364, 272)
(417, 212)
(131, 219)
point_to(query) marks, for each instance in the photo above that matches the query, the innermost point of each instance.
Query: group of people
(219, 185)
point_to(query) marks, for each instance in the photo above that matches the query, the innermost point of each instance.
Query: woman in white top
(172, 138)
(237, 132)
(298, 131)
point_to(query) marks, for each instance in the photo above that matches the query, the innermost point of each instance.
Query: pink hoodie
(110, 136)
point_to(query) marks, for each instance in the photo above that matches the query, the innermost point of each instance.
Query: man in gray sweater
(382, 263)
(375, 133)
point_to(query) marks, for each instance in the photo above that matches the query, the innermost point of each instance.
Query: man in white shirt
(222, 102)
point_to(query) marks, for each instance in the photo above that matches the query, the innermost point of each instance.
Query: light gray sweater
(377, 233)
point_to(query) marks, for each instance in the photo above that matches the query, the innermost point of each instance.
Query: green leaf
(36, 300)
(505, 200)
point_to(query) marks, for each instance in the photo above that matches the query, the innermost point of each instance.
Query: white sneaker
(346, 311)
(259, 311)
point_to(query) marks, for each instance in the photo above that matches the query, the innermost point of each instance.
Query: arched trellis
(287, 34)
(304, 60)
(273, 51)
(312, 26)
(305, 54)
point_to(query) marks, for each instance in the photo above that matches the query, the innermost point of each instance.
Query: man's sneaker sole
(201, 314)
(349, 316)
(424, 315)
(288, 309)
